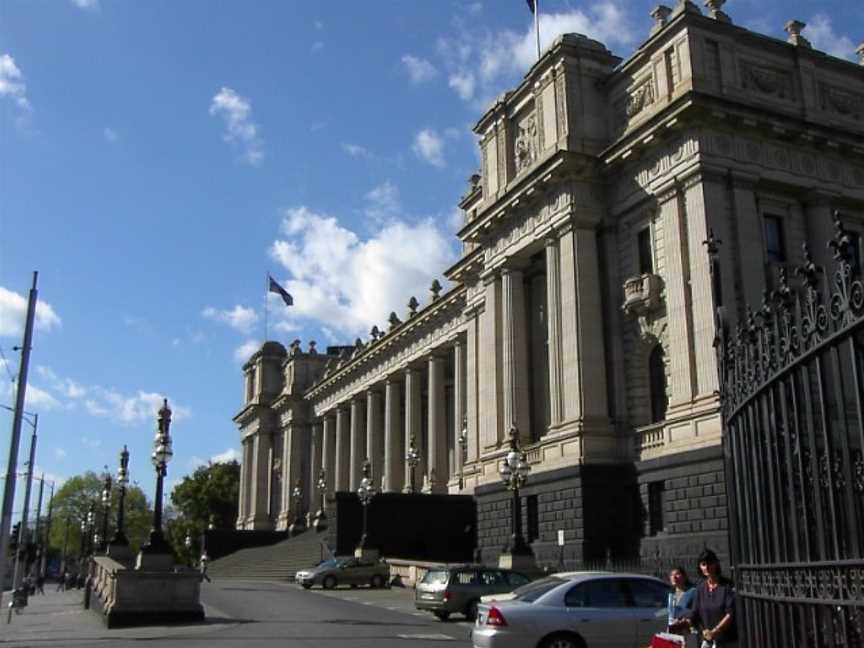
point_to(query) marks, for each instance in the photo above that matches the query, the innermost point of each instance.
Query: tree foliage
(73, 500)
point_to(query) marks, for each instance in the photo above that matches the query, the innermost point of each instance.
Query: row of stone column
(361, 428)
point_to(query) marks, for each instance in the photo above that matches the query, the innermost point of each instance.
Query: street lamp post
(188, 544)
(297, 526)
(91, 526)
(321, 515)
(463, 444)
(162, 453)
(412, 458)
(122, 481)
(106, 510)
(514, 471)
(366, 491)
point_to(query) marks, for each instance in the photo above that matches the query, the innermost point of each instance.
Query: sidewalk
(59, 619)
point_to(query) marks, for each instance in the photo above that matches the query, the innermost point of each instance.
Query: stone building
(581, 309)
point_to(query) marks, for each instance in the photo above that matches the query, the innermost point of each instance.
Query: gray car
(576, 610)
(458, 588)
(345, 571)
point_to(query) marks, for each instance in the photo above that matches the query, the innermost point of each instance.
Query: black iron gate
(791, 380)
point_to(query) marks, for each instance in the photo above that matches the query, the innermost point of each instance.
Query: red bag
(666, 640)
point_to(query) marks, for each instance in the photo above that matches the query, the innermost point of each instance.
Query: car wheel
(471, 611)
(442, 616)
(377, 581)
(307, 585)
(329, 582)
(563, 641)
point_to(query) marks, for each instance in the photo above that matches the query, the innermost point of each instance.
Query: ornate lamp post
(91, 525)
(188, 544)
(106, 509)
(412, 458)
(83, 529)
(321, 515)
(122, 481)
(162, 454)
(297, 526)
(514, 471)
(463, 445)
(366, 491)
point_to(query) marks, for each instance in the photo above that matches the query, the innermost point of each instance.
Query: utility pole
(36, 525)
(12, 465)
(47, 531)
(22, 533)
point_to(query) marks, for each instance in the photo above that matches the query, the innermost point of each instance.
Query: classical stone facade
(582, 309)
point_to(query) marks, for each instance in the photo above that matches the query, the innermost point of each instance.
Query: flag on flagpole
(279, 290)
(530, 5)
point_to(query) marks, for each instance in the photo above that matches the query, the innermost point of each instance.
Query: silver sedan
(576, 610)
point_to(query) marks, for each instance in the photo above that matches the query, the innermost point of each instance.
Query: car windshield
(436, 577)
(532, 591)
(326, 564)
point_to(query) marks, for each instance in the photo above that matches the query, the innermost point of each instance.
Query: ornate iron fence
(791, 381)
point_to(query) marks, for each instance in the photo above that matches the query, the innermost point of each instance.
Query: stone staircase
(278, 561)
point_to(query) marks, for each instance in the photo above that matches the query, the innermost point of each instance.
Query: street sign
(560, 537)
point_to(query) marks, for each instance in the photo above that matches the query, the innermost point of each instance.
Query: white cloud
(820, 32)
(12, 82)
(245, 350)
(319, 25)
(236, 111)
(59, 454)
(13, 313)
(110, 135)
(357, 151)
(240, 318)
(383, 201)
(481, 63)
(419, 70)
(317, 46)
(231, 454)
(429, 146)
(86, 4)
(346, 283)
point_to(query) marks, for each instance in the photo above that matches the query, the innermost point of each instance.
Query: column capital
(820, 198)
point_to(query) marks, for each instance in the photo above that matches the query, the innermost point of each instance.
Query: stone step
(278, 561)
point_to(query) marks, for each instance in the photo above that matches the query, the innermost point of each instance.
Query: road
(246, 614)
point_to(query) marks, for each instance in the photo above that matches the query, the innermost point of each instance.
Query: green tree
(208, 496)
(73, 500)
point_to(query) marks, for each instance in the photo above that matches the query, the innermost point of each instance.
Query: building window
(533, 526)
(656, 502)
(646, 257)
(775, 243)
(657, 379)
(855, 252)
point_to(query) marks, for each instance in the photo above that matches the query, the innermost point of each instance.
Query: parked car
(458, 588)
(576, 610)
(345, 571)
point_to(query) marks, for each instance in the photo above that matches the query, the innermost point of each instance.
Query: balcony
(642, 294)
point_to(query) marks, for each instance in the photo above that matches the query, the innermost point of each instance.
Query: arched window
(657, 379)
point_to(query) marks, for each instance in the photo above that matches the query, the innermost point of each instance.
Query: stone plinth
(127, 597)
(517, 562)
(366, 553)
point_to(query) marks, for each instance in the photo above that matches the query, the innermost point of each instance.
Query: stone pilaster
(514, 353)
(413, 425)
(375, 434)
(553, 320)
(458, 403)
(393, 478)
(244, 485)
(582, 345)
(328, 451)
(313, 495)
(489, 357)
(437, 426)
(472, 395)
(819, 224)
(343, 450)
(358, 441)
(261, 480)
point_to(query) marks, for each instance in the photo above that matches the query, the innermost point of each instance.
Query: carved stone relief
(842, 101)
(768, 81)
(525, 144)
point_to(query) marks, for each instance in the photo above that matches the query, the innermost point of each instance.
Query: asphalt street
(245, 614)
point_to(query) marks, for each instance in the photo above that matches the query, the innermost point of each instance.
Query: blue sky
(158, 158)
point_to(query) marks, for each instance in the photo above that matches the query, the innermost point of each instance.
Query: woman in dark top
(713, 612)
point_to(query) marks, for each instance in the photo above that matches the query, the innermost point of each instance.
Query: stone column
(489, 358)
(343, 450)
(287, 475)
(472, 395)
(313, 495)
(458, 404)
(749, 242)
(328, 451)
(437, 426)
(393, 478)
(412, 426)
(375, 434)
(243, 506)
(679, 319)
(261, 480)
(296, 459)
(583, 351)
(819, 224)
(514, 352)
(358, 441)
(553, 319)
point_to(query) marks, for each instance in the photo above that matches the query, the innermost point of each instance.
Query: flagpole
(537, 25)
(266, 291)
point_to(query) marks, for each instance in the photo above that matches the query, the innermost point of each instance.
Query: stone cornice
(471, 262)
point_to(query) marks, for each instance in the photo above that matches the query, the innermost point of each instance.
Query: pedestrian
(713, 613)
(679, 602)
(61, 581)
(40, 584)
(202, 565)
